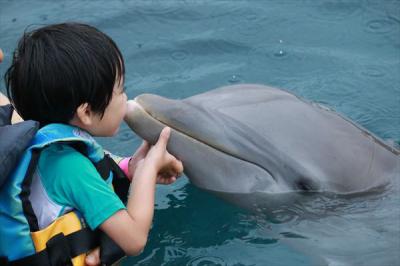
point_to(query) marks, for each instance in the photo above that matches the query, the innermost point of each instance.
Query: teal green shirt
(71, 180)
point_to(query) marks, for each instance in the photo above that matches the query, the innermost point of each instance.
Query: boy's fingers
(145, 143)
(93, 258)
(163, 180)
(144, 147)
(163, 139)
(178, 166)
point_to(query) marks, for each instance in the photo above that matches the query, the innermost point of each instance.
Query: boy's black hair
(58, 67)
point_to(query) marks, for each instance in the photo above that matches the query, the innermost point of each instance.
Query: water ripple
(373, 71)
(381, 26)
(43, 17)
(179, 55)
(184, 50)
(159, 7)
(172, 253)
(185, 10)
(298, 61)
(334, 10)
(292, 235)
(393, 10)
(281, 216)
(235, 79)
(207, 261)
(134, 77)
(247, 22)
(125, 134)
(260, 240)
(278, 52)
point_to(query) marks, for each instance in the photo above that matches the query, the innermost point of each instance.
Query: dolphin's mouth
(142, 107)
(135, 104)
(207, 166)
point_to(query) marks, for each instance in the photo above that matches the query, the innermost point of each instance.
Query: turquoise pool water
(344, 54)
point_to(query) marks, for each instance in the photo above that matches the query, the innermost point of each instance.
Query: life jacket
(66, 239)
(14, 139)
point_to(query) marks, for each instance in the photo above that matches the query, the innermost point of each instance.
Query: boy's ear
(84, 115)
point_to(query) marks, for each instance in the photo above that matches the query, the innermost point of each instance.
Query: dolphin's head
(208, 143)
(253, 139)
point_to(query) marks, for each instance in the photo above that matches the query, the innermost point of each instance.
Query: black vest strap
(120, 181)
(26, 191)
(60, 249)
(110, 252)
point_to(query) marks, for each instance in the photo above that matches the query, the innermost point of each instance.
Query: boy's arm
(129, 228)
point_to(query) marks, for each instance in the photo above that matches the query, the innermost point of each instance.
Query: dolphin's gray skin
(258, 140)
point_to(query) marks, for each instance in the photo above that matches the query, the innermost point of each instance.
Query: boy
(69, 77)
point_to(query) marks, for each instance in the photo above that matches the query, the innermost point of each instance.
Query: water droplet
(235, 79)
(280, 49)
(280, 53)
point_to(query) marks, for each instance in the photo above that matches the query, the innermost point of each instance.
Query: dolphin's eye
(304, 184)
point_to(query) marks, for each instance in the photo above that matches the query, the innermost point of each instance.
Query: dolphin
(252, 139)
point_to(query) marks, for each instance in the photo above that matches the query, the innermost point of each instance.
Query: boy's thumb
(164, 136)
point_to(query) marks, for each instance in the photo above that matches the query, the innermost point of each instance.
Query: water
(342, 54)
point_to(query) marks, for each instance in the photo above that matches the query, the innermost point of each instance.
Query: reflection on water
(342, 54)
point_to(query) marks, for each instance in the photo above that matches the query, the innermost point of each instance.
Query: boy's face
(109, 124)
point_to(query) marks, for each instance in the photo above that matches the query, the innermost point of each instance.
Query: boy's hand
(93, 258)
(167, 166)
(137, 157)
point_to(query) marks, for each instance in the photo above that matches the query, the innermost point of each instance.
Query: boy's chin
(115, 132)
(108, 133)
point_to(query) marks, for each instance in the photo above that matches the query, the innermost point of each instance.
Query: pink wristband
(124, 165)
